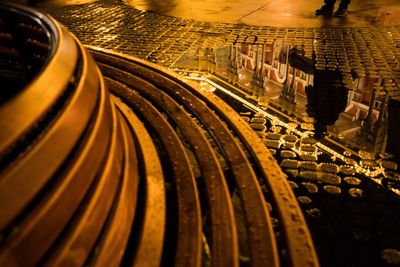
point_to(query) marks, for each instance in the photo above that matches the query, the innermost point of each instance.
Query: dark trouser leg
(326, 9)
(330, 3)
(344, 4)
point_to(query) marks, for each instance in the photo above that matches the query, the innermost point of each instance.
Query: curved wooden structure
(151, 173)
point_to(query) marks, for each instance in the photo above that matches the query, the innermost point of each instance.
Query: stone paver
(111, 24)
(354, 221)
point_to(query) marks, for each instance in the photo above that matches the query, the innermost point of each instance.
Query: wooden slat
(77, 243)
(189, 239)
(263, 246)
(300, 247)
(262, 243)
(43, 225)
(150, 241)
(112, 244)
(40, 95)
(301, 251)
(224, 243)
(52, 149)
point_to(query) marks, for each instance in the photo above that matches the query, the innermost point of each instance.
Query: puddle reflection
(348, 105)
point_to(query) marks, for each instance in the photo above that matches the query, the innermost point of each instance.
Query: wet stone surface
(304, 200)
(331, 189)
(391, 256)
(350, 216)
(342, 208)
(355, 192)
(352, 180)
(355, 52)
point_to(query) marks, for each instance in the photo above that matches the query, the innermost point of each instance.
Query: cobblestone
(111, 24)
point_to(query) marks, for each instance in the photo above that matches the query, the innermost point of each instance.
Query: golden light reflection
(345, 156)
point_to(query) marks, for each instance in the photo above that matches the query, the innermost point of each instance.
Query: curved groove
(224, 237)
(47, 221)
(52, 149)
(151, 237)
(84, 182)
(77, 244)
(38, 97)
(298, 238)
(301, 250)
(188, 249)
(112, 245)
(262, 238)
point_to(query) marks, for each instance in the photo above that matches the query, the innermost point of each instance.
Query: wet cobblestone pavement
(354, 220)
(356, 52)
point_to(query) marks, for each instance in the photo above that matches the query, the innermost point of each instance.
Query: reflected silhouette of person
(327, 8)
(327, 98)
(393, 133)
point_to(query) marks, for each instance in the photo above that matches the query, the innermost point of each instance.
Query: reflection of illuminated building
(273, 68)
(266, 64)
(360, 98)
(346, 195)
(393, 140)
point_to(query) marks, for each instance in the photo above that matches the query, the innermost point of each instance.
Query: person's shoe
(324, 10)
(341, 12)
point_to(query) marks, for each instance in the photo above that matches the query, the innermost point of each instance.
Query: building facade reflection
(353, 107)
